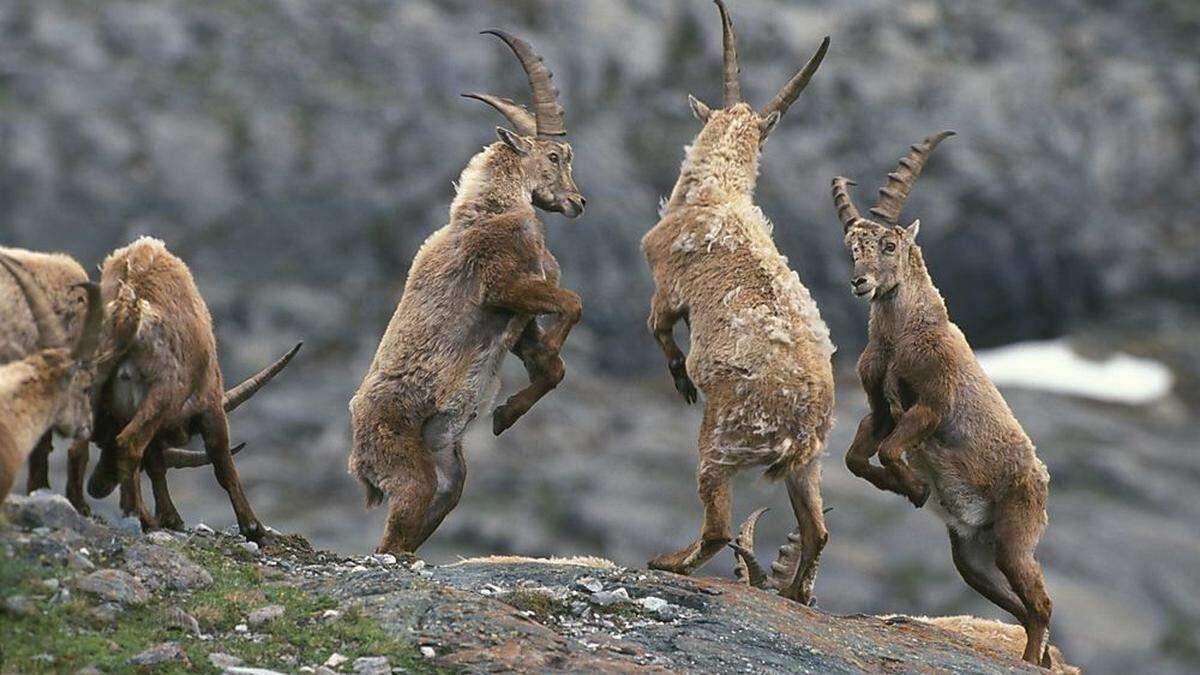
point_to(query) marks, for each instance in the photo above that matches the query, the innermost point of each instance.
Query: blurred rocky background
(296, 154)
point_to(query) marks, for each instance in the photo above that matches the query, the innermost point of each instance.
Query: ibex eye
(554, 157)
(889, 247)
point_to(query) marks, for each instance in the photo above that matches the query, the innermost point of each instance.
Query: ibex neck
(716, 173)
(915, 302)
(492, 183)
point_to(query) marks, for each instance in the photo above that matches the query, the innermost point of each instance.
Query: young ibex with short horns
(474, 292)
(62, 280)
(931, 400)
(163, 385)
(759, 349)
(34, 390)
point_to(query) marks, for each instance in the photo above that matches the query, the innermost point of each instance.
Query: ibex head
(878, 245)
(736, 114)
(546, 161)
(63, 368)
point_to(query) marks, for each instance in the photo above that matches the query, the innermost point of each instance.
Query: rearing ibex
(32, 389)
(473, 293)
(930, 400)
(759, 349)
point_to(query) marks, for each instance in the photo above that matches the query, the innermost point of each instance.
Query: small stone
(589, 584)
(167, 652)
(222, 660)
(105, 613)
(322, 670)
(115, 586)
(653, 604)
(241, 628)
(417, 566)
(382, 559)
(331, 614)
(203, 530)
(335, 660)
(129, 525)
(606, 598)
(160, 537)
(89, 670)
(372, 665)
(78, 561)
(428, 652)
(177, 618)
(249, 547)
(45, 659)
(51, 584)
(264, 615)
(18, 605)
(358, 568)
(41, 532)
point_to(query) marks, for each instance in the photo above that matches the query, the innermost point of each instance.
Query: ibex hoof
(502, 419)
(919, 497)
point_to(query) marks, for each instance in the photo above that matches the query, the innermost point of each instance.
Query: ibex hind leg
(39, 464)
(164, 508)
(975, 559)
(411, 484)
(804, 491)
(1020, 518)
(214, 429)
(77, 461)
(131, 445)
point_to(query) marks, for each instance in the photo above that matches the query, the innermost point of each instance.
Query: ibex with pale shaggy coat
(760, 352)
(34, 388)
(62, 281)
(930, 400)
(473, 293)
(163, 384)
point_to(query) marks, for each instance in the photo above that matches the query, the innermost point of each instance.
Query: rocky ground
(81, 596)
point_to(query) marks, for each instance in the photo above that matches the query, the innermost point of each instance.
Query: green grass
(300, 637)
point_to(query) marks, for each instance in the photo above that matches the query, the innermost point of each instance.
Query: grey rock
(222, 660)
(160, 537)
(129, 525)
(203, 530)
(44, 509)
(589, 584)
(653, 604)
(607, 598)
(178, 618)
(249, 547)
(19, 606)
(264, 615)
(114, 586)
(80, 562)
(89, 670)
(165, 567)
(167, 652)
(372, 665)
(105, 613)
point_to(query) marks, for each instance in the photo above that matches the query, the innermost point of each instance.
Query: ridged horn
(894, 193)
(241, 393)
(517, 115)
(730, 68)
(784, 568)
(547, 113)
(89, 338)
(791, 91)
(49, 330)
(747, 568)
(178, 458)
(846, 210)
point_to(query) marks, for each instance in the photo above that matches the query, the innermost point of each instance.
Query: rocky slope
(80, 596)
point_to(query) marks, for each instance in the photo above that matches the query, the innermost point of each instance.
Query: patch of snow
(1052, 365)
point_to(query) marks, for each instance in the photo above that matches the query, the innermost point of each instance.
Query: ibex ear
(912, 230)
(514, 141)
(767, 124)
(700, 110)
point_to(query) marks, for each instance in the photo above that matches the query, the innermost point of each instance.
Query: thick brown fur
(473, 293)
(760, 351)
(932, 403)
(161, 384)
(59, 275)
(34, 390)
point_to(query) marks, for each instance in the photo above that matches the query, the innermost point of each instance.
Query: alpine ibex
(931, 400)
(32, 389)
(474, 292)
(759, 349)
(62, 281)
(163, 384)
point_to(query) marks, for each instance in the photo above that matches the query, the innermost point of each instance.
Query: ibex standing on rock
(32, 389)
(759, 349)
(473, 293)
(930, 400)
(62, 281)
(163, 384)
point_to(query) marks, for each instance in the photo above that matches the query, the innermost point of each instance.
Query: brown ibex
(61, 280)
(931, 400)
(759, 349)
(163, 384)
(474, 292)
(33, 390)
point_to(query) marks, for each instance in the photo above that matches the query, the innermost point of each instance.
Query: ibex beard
(474, 292)
(760, 352)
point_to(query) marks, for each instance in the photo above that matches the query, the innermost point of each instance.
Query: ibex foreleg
(164, 507)
(77, 461)
(862, 449)
(536, 296)
(545, 368)
(804, 491)
(214, 429)
(917, 423)
(662, 325)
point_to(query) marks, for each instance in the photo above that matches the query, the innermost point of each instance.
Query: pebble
(383, 558)
(264, 615)
(51, 584)
(589, 584)
(606, 598)
(167, 652)
(417, 566)
(241, 628)
(105, 613)
(203, 530)
(115, 586)
(129, 525)
(428, 652)
(653, 604)
(331, 614)
(79, 561)
(18, 605)
(335, 660)
(177, 618)
(222, 660)
(160, 537)
(372, 665)
(249, 546)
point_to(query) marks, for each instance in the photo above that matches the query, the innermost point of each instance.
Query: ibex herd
(130, 363)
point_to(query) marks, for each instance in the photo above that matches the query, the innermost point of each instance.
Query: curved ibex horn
(516, 114)
(241, 393)
(847, 212)
(49, 330)
(731, 70)
(178, 458)
(893, 195)
(547, 113)
(791, 91)
(747, 568)
(89, 338)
